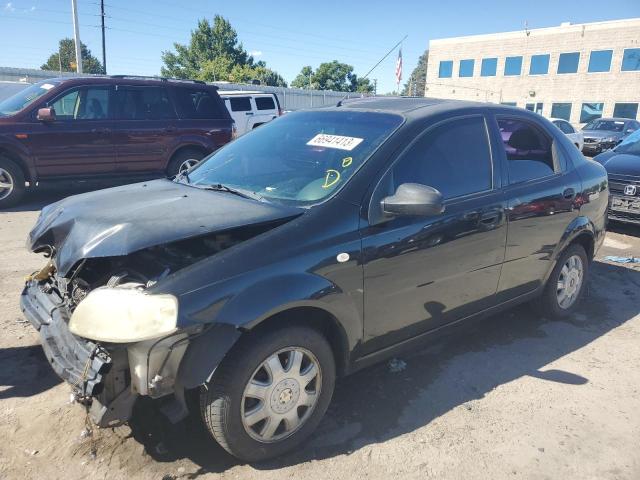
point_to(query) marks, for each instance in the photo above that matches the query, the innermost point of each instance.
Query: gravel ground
(515, 396)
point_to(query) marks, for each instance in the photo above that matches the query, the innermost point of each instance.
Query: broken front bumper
(78, 361)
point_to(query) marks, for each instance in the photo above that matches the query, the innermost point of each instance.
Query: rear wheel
(270, 392)
(566, 284)
(183, 161)
(12, 187)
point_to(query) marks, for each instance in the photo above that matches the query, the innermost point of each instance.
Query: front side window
(240, 104)
(561, 110)
(446, 69)
(466, 68)
(513, 66)
(568, 62)
(591, 111)
(488, 67)
(300, 158)
(454, 158)
(265, 103)
(528, 150)
(24, 98)
(600, 61)
(631, 60)
(625, 110)
(143, 103)
(89, 103)
(539, 65)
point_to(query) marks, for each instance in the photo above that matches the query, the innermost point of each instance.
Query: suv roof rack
(164, 79)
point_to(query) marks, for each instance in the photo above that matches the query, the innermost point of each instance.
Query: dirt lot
(516, 397)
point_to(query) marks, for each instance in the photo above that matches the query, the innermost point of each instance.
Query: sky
(287, 35)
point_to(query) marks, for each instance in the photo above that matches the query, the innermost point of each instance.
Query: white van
(250, 109)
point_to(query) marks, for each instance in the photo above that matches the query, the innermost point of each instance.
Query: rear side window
(528, 150)
(194, 103)
(565, 127)
(144, 103)
(453, 157)
(265, 103)
(240, 104)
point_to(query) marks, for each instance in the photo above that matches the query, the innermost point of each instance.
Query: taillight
(279, 112)
(234, 131)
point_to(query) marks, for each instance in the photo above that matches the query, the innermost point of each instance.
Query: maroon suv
(112, 129)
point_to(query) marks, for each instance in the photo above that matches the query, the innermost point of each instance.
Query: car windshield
(630, 145)
(608, 125)
(25, 98)
(299, 159)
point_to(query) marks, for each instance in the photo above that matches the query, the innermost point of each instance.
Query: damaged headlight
(124, 315)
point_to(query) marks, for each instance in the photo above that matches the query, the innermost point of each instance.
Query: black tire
(14, 175)
(222, 398)
(180, 157)
(548, 303)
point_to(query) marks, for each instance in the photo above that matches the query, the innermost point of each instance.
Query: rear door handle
(569, 193)
(101, 130)
(249, 113)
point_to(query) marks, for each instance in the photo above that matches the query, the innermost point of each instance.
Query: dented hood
(122, 220)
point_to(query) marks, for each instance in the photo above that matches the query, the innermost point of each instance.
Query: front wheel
(270, 392)
(566, 284)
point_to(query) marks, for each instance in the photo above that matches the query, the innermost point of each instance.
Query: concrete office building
(576, 72)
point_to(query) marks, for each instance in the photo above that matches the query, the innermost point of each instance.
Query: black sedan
(312, 247)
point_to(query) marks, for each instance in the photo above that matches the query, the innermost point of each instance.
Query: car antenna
(339, 104)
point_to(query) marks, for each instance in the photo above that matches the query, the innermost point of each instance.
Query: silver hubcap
(6, 184)
(570, 281)
(281, 394)
(187, 164)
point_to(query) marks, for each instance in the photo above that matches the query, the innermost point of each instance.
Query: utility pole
(375, 86)
(104, 48)
(76, 35)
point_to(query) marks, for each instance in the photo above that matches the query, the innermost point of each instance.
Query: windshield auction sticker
(335, 141)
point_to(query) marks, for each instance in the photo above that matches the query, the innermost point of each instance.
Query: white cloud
(255, 53)
(9, 7)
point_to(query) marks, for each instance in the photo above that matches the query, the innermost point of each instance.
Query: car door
(265, 111)
(146, 128)
(241, 111)
(80, 140)
(540, 190)
(423, 272)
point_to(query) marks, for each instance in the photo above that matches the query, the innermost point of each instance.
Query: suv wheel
(270, 392)
(566, 283)
(183, 161)
(11, 183)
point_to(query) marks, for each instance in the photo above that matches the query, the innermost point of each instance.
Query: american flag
(399, 67)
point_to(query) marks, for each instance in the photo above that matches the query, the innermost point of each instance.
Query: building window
(568, 62)
(561, 110)
(591, 111)
(539, 65)
(513, 66)
(510, 104)
(446, 69)
(466, 68)
(489, 67)
(600, 61)
(625, 110)
(631, 60)
(534, 107)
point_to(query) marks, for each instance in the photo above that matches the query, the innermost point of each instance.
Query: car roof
(243, 92)
(613, 119)
(129, 80)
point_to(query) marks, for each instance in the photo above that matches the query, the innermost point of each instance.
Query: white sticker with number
(47, 86)
(335, 141)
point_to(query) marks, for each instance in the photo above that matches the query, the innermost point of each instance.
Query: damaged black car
(316, 245)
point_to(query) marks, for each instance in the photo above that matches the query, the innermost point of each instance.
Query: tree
(417, 81)
(214, 54)
(332, 76)
(65, 59)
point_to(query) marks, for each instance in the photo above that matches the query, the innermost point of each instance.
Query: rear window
(194, 103)
(265, 103)
(240, 104)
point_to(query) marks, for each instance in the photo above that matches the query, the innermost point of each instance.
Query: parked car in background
(106, 129)
(311, 248)
(249, 110)
(623, 167)
(576, 136)
(605, 133)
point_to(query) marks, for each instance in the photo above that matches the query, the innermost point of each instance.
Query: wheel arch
(193, 146)
(15, 157)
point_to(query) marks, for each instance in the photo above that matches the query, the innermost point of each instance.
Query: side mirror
(414, 199)
(47, 114)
